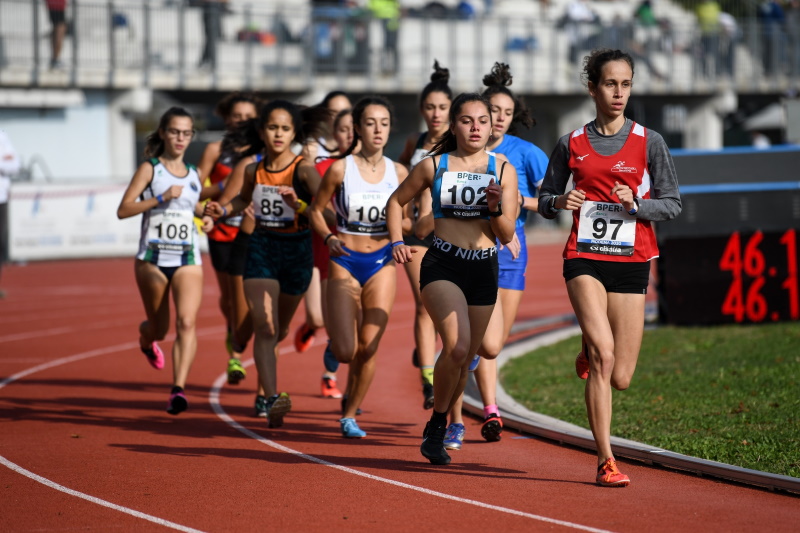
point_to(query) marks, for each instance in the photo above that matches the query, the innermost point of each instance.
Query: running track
(85, 443)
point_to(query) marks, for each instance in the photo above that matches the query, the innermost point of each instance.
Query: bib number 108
(172, 231)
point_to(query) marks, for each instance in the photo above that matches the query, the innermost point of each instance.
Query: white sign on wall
(48, 221)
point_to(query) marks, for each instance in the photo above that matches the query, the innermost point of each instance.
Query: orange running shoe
(582, 364)
(329, 388)
(609, 476)
(304, 338)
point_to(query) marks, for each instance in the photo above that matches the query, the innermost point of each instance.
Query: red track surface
(96, 425)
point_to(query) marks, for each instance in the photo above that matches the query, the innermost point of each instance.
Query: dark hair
(153, 143)
(497, 82)
(225, 106)
(593, 64)
(340, 115)
(438, 83)
(307, 122)
(330, 96)
(448, 141)
(358, 112)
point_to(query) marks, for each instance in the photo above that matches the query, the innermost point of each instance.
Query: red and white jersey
(602, 229)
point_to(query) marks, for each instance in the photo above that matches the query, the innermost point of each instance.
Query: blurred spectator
(9, 165)
(729, 34)
(647, 30)
(388, 11)
(579, 22)
(622, 35)
(57, 11)
(708, 19)
(793, 33)
(212, 30)
(772, 19)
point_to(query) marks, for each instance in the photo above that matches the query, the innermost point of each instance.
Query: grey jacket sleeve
(665, 197)
(555, 178)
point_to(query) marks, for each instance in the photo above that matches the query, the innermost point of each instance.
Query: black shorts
(238, 256)
(220, 253)
(473, 271)
(616, 276)
(57, 17)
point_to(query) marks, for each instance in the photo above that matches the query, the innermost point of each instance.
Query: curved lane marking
(61, 488)
(216, 406)
(214, 401)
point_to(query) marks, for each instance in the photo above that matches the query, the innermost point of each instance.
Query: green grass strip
(729, 394)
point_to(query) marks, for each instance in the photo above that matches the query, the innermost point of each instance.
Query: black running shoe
(492, 428)
(427, 392)
(433, 444)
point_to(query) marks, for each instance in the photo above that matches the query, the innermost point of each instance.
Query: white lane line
(61, 488)
(214, 400)
(44, 481)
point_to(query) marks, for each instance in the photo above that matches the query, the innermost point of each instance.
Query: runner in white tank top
(165, 191)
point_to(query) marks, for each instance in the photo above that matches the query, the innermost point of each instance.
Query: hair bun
(500, 75)
(440, 73)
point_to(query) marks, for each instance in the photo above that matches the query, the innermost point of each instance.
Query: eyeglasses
(172, 132)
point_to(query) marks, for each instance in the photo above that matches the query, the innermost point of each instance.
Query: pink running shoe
(154, 356)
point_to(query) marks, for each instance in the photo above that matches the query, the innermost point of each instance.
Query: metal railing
(160, 44)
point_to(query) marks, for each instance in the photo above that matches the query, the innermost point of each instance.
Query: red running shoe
(582, 364)
(609, 476)
(329, 388)
(154, 356)
(304, 338)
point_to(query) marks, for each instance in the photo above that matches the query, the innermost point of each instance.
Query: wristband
(221, 186)
(160, 199)
(325, 240)
(635, 207)
(397, 243)
(496, 213)
(301, 206)
(553, 204)
(224, 212)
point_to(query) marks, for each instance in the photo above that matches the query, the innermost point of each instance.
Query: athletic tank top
(361, 206)
(419, 152)
(169, 237)
(272, 213)
(461, 194)
(602, 229)
(225, 229)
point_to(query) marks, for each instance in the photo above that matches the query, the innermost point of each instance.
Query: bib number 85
(272, 207)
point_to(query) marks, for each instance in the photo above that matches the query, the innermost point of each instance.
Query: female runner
(361, 277)
(217, 164)
(166, 191)
(475, 203)
(343, 134)
(434, 105)
(279, 262)
(623, 178)
(318, 150)
(530, 163)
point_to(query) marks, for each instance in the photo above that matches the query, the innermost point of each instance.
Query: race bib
(463, 194)
(234, 221)
(367, 212)
(170, 230)
(606, 228)
(270, 209)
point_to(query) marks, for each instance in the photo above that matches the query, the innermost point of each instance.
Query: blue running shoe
(474, 364)
(350, 429)
(454, 437)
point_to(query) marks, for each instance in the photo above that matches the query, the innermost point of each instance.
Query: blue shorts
(512, 271)
(363, 266)
(283, 257)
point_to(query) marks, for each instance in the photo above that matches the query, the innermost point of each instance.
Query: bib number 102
(468, 196)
